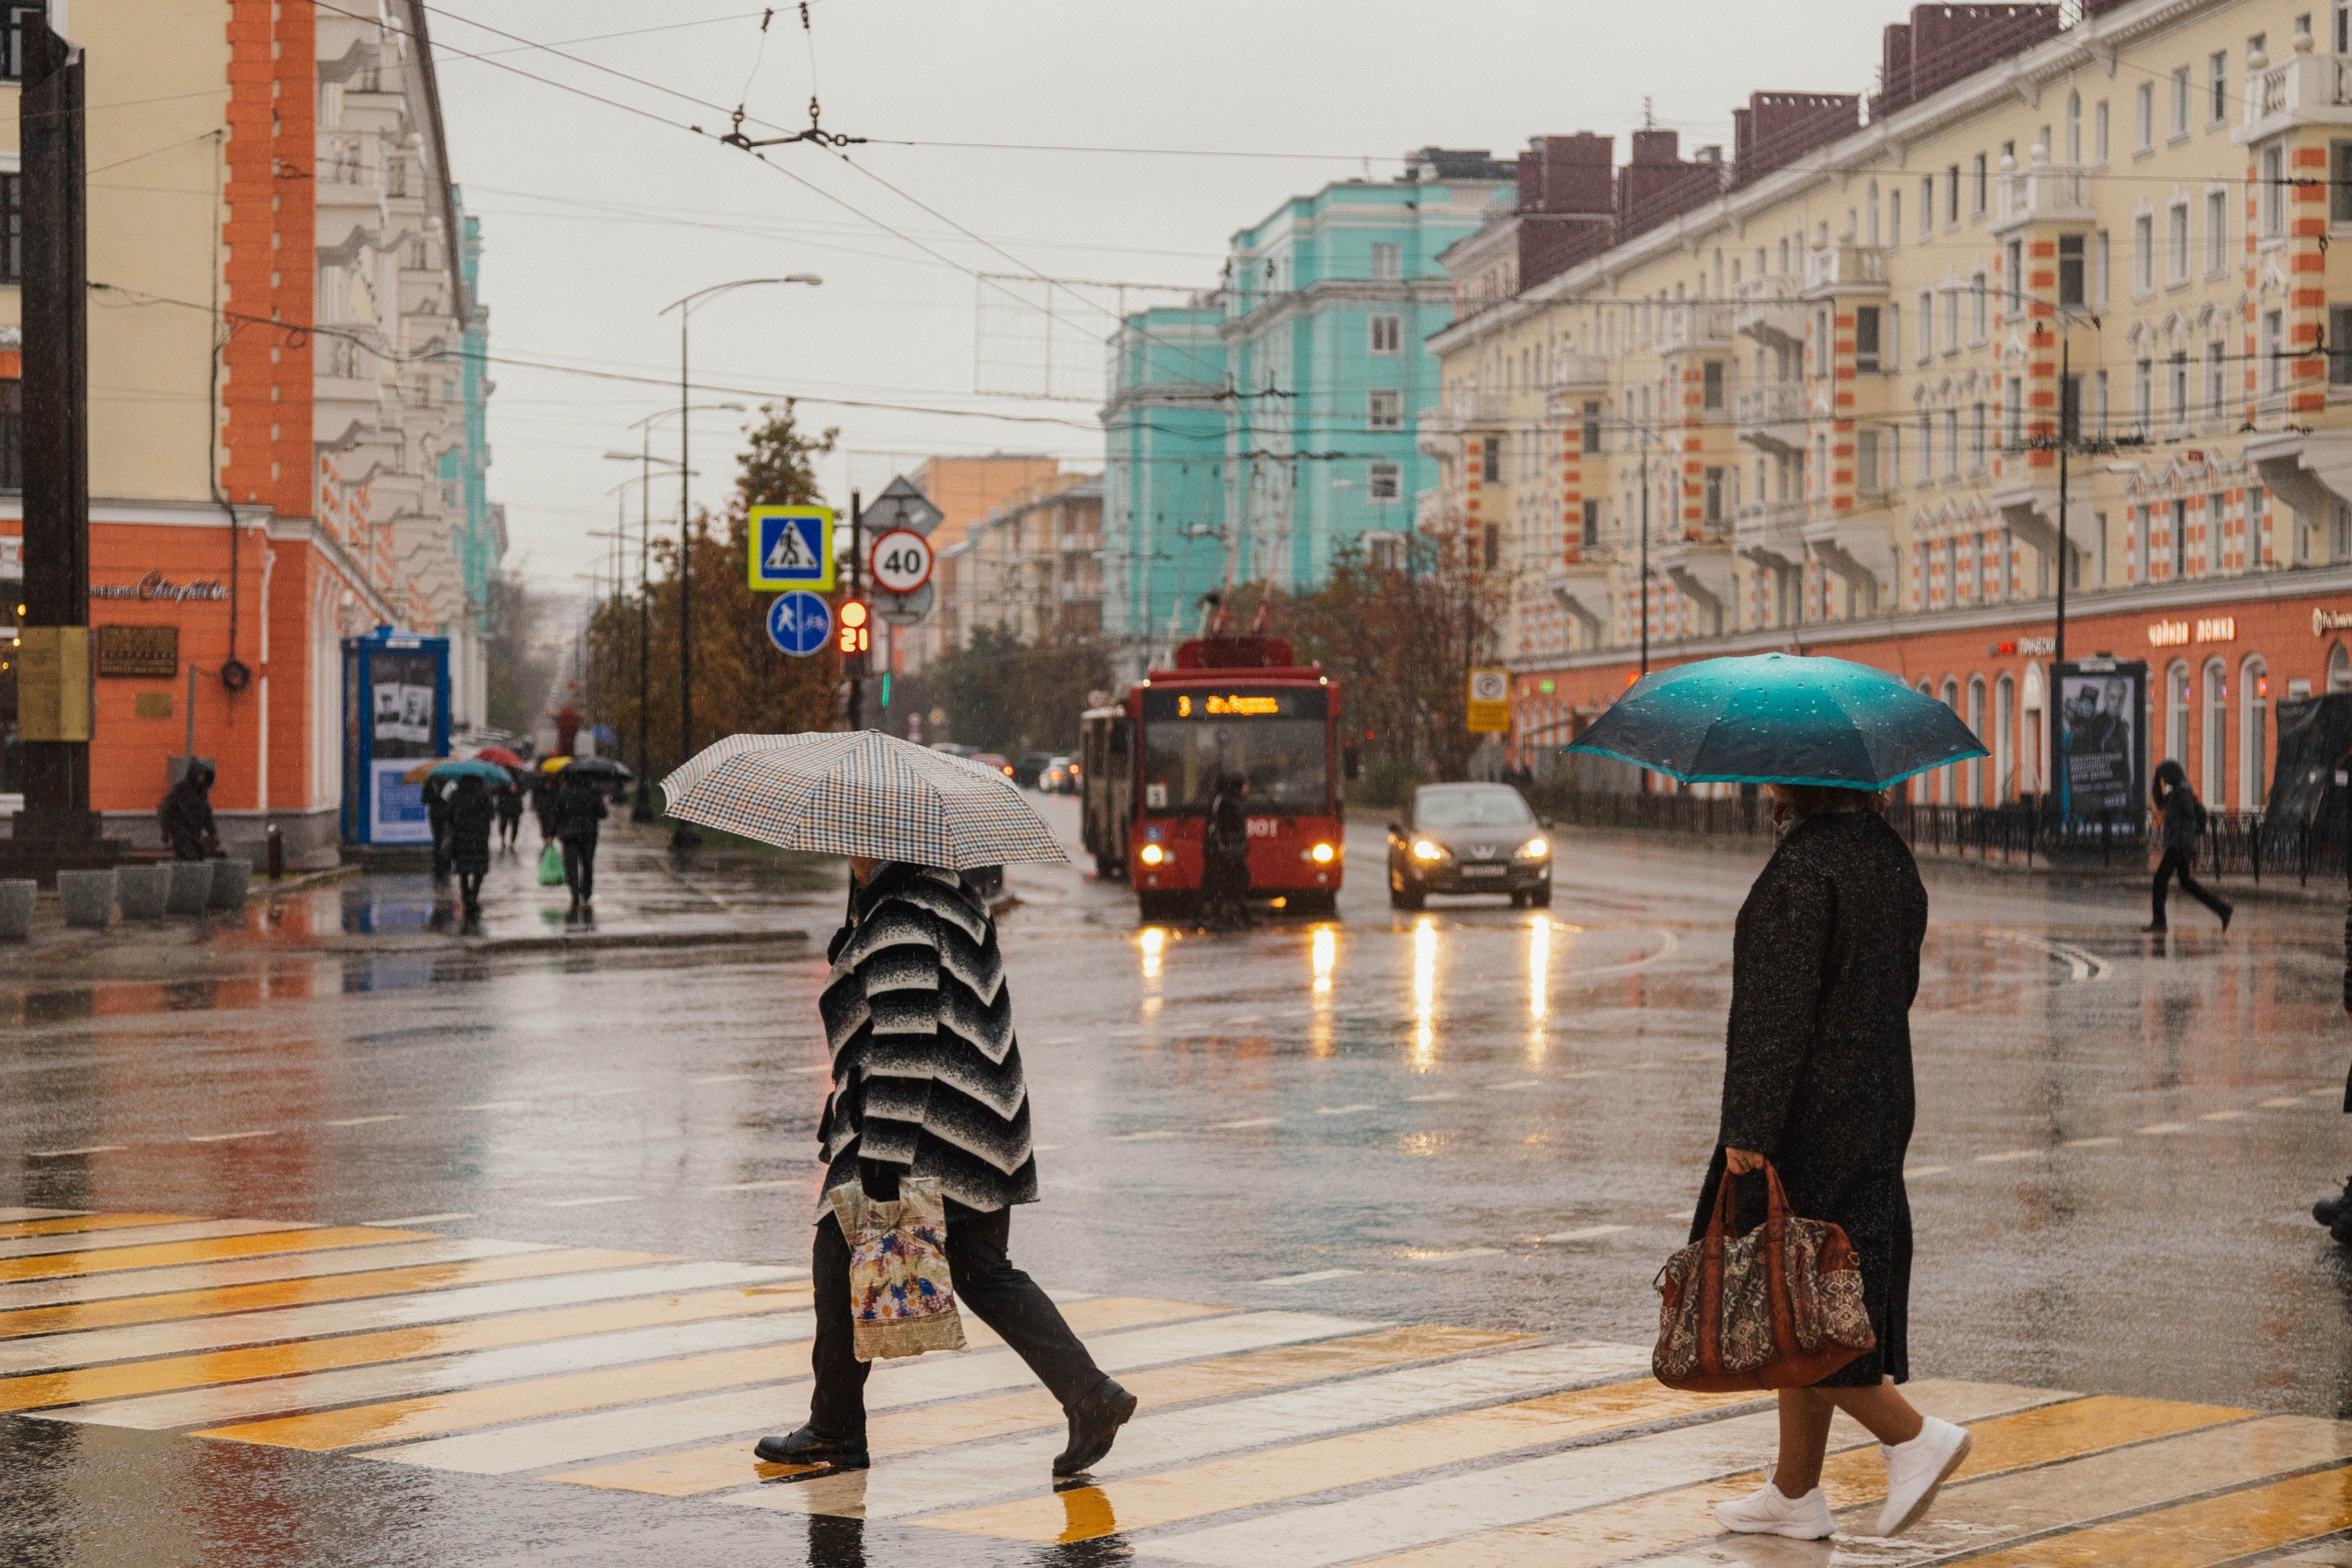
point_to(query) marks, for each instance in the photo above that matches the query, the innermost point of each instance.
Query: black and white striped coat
(926, 1072)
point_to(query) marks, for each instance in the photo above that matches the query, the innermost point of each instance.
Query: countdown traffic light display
(854, 637)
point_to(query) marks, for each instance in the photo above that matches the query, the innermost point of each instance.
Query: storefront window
(2216, 789)
(2253, 761)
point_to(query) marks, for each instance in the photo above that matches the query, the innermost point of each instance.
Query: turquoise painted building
(1254, 432)
(479, 529)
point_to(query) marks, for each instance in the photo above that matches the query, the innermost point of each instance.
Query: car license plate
(1483, 870)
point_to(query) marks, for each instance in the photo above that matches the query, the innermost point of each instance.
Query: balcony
(2305, 88)
(1860, 550)
(2043, 192)
(1581, 589)
(1688, 325)
(1771, 416)
(1843, 268)
(1579, 372)
(1765, 308)
(1770, 533)
(1706, 575)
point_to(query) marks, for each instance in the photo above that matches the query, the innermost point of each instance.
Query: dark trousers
(580, 867)
(2176, 863)
(987, 1285)
(470, 887)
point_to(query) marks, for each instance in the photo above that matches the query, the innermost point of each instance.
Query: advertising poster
(2102, 736)
(399, 815)
(405, 685)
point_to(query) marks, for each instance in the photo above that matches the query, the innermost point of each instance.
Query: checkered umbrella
(860, 794)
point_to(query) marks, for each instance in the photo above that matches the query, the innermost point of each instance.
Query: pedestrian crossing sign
(792, 546)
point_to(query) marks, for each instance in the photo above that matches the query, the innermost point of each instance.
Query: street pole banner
(792, 546)
(1489, 701)
(2102, 736)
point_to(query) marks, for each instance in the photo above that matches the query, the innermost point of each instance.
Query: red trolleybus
(1150, 763)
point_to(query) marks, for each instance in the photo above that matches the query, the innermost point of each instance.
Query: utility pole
(1645, 549)
(641, 809)
(2066, 560)
(56, 829)
(856, 587)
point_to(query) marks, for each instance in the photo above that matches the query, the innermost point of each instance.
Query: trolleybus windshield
(1273, 736)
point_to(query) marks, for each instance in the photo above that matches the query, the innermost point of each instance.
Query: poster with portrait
(2102, 736)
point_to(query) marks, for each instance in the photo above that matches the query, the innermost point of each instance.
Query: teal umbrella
(1780, 718)
(470, 768)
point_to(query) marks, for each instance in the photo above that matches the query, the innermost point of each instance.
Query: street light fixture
(685, 837)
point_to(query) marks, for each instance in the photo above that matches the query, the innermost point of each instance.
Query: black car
(1469, 838)
(1031, 769)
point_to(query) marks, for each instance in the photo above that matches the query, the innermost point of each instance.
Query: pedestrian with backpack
(2183, 828)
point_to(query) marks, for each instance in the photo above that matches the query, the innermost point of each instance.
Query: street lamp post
(685, 837)
(641, 807)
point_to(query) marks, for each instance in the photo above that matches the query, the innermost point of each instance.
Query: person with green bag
(551, 864)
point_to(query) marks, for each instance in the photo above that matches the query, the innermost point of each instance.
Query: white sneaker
(1915, 1471)
(1773, 1512)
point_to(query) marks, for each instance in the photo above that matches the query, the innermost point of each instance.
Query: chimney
(1566, 203)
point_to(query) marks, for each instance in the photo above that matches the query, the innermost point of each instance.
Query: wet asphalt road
(1472, 1116)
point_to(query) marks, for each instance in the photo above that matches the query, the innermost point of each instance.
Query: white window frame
(1387, 261)
(2179, 102)
(1390, 476)
(2145, 127)
(2144, 254)
(2176, 243)
(2099, 132)
(2217, 87)
(2216, 232)
(1387, 329)
(1383, 408)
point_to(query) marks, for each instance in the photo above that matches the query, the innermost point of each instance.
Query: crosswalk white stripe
(183, 1336)
(432, 1374)
(1461, 1505)
(251, 1270)
(968, 1474)
(140, 1235)
(8, 1216)
(575, 1439)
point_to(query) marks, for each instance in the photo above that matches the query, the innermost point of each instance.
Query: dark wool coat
(926, 1071)
(577, 810)
(471, 812)
(1818, 1056)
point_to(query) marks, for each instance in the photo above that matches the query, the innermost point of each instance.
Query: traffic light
(855, 637)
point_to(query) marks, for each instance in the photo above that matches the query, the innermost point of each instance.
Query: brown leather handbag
(1779, 1307)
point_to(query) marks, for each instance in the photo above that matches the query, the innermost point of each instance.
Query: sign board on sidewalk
(799, 622)
(1489, 701)
(901, 561)
(2102, 738)
(792, 546)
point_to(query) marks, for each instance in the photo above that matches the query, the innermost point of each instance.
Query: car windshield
(1492, 806)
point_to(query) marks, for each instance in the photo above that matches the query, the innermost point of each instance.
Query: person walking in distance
(579, 807)
(1225, 855)
(509, 797)
(927, 1082)
(436, 817)
(2184, 827)
(471, 813)
(185, 816)
(1817, 1082)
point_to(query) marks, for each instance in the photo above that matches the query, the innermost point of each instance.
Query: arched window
(2033, 735)
(2216, 782)
(2254, 734)
(2073, 128)
(2339, 668)
(2005, 714)
(1944, 775)
(2177, 714)
(1973, 783)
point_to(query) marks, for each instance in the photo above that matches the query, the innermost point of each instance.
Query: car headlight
(1424, 848)
(1534, 849)
(1323, 854)
(1152, 854)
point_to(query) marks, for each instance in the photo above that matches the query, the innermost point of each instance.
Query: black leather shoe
(1094, 1424)
(809, 1446)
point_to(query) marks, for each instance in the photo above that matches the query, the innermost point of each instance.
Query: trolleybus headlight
(1323, 854)
(1424, 849)
(1151, 854)
(1534, 849)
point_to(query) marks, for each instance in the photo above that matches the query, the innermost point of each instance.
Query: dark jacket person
(471, 814)
(927, 1082)
(579, 807)
(2184, 816)
(185, 816)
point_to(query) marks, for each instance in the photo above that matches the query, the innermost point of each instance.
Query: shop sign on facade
(2180, 633)
(145, 652)
(155, 585)
(2326, 621)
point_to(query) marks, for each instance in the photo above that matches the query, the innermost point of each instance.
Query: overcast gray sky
(594, 216)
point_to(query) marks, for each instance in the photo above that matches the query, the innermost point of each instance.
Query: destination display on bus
(1275, 736)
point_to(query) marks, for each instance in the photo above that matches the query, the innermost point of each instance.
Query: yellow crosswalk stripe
(54, 1266)
(2195, 1535)
(1218, 1485)
(1852, 1478)
(122, 1311)
(68, 1224)
(897, 1433)
(82, 1384)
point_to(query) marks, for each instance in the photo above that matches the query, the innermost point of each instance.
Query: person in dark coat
(2184, 818)
(436, 817)
(471, 813)
(1817, 1082)
(927, 1082)
(544, 789)
(508, 797)
(185, 816)
(579, 807)
(1225, 855)
(2336, 1212)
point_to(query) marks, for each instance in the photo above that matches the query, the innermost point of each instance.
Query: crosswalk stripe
(154, 1229)
(693, 1472)
(55, 1225)
(11, 1215)
(625, 1274)
(1277, 1475)
(458, 1411)
(961, 1477)
(83, 1317)
(1422, 1512)
(732, 1298)
(2211, 1530)
(61, 1265)
(576, 1439)
(1853, 1476)
(253, 1270)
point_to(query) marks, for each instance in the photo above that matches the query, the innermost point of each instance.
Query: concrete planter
(16, 908)
(87, 897)
(230, 878)
(144, 890)
(191, 886)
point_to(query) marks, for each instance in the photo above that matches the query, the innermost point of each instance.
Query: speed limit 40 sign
(901, 561)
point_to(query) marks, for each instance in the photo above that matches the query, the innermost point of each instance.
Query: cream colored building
(1032, 568)
(1838, 382)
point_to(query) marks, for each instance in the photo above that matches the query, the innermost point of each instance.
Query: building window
(2274, 351)
(2254, 728)
(1976, 438)
(2016, 414)
(2100, 251)
(1712, 490)
(1951, 321)
(1867, 478)
(2147, 117)
(2180, 389)
(1927, 446)
(2216, 232)
(12, 435)
(2216, 383)
(1983, 187)
(2070, 409)
(1866, 344)
(1951, 194)
(2177, 242)
(2143, 254)
(1490, 464)
(1951, 443)
(1592, 425)
(2339, 346)
(1712, 393)
(1926, 207)
(1927, 326)
(1384, 411)
(2177, 714)
(1387, 261)
(2216, 512)
(2179, 540)
(2144, 397)
(2217, 733)
(2273, 194)
(2099, 133)
(1387, 483)
(1894, 219)
(2070, 270)
(2098, 404)
(2180, 100)
(1977, 295)
(1388, 334)
(12, 228)
(2217, 87)
(1592, 525)
(2073, 128)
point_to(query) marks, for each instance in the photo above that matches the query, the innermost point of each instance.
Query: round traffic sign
(799, 622)
(905, 609)
(901, 561)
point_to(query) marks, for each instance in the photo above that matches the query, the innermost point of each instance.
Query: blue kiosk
(395, 714)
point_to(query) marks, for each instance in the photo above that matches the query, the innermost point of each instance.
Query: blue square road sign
(792, 546)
